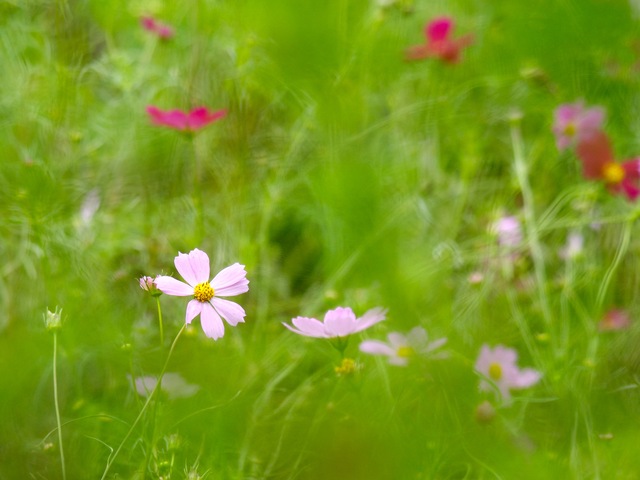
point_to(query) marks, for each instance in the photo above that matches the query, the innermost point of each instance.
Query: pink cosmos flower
(184, 121)
(148, 284)
(152, 25)
(439, 42)
(499, 368)
(339, 322)
(616, 319)
(598, 163)
(574, 123)
(402, 347)
(194, 268)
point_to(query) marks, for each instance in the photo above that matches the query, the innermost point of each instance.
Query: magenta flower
(616, 319)
(339, 322)
(598, 163)
(402, 347)
(160, 29)
(439, 42)
(574, 123)
(183, 121)
(499, 368)
(230, 281)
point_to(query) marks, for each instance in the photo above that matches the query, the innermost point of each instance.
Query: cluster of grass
(342, 175)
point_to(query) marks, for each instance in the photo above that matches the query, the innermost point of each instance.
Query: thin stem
(531, 225)
(146, 404)
(55, 399)
(160, 321)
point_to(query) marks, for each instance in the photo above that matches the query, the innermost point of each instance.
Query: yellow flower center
(405, 351)
(613, 172)
(495, 371)
(347, 367)
(203, 292)
(570, 129)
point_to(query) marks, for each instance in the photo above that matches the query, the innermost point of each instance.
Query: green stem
(146, 404)
(160, 321)
(55, 399)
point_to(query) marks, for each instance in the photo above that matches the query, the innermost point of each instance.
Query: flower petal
(230, 311)
(340, 322)
(201, 117)
(375, 347)
(194, 307)
(309, 327)
(231, 281)
(439, 29)
(370, 318)
(594, 152)
(526, 378)
(211, 322)
(171, 286)
(192, 266)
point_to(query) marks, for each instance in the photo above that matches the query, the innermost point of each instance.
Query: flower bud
(53, 320)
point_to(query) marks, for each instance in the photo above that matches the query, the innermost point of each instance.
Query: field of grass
(341, 176)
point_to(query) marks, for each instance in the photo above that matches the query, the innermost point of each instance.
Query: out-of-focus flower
(339, 322)
(509, 232)
(616, 319)
(439, 42)
(475, 278)
(573, 247)
(156, 27)
(499, 367)
(230, 281)
(348, 366)
(485, 412)
(172, 384)
(148, 284)
(401, 348)
(574, 123)
(598, 163)
(89, 207)
(53, 320)
(184, 121)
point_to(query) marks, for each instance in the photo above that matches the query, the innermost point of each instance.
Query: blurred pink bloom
(509, 231)
(183, 121)
(439, 43)
(148, 284)
(499, 368)
(402, 347)
(152, 25)
(598, 163)
(194, 268)
(574, 123)
(339, 322)
(573, 247)
(615, 319)
(172, 384)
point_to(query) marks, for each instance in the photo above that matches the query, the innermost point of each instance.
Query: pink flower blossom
(574, 123)
(616, 319)
(339, 322)
(160, 29)
(184, 121)
(402, 347)
(598, 163)
(172, 384)
(439, 42)
(509, 231)
(148, 284)
(230, 281)
(499, 368)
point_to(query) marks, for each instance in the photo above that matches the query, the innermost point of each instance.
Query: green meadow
(342, 175)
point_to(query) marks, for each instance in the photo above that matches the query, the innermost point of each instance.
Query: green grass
(342, 176)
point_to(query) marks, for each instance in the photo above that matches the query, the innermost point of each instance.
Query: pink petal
(309, 327)
(375, 347)
(594, 152)
(194, 308)
(211, 322)
(370, 318)
(164, 31)
(397, 340)
(171, 286)
(526, 378)
(230, 311)
(200, 117)
(439, 29)
(183, 265)
(173, 119)
(199, 265)
(339, 322)
(148, 23)
(591, 120)
(230, 281)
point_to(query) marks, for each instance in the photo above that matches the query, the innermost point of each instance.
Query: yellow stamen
(203, 292)
(495, 371)
(405, 351)
(613, 172)
(347, 367)
(570, 129)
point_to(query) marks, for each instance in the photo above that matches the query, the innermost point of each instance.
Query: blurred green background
(342, 176)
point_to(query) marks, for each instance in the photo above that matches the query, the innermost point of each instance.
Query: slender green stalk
(57, 405)
(160, 321)
(146, 404)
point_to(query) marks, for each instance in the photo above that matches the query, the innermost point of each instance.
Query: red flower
(598, 163)
(190, 122)
(152, 25)
(439, 43)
